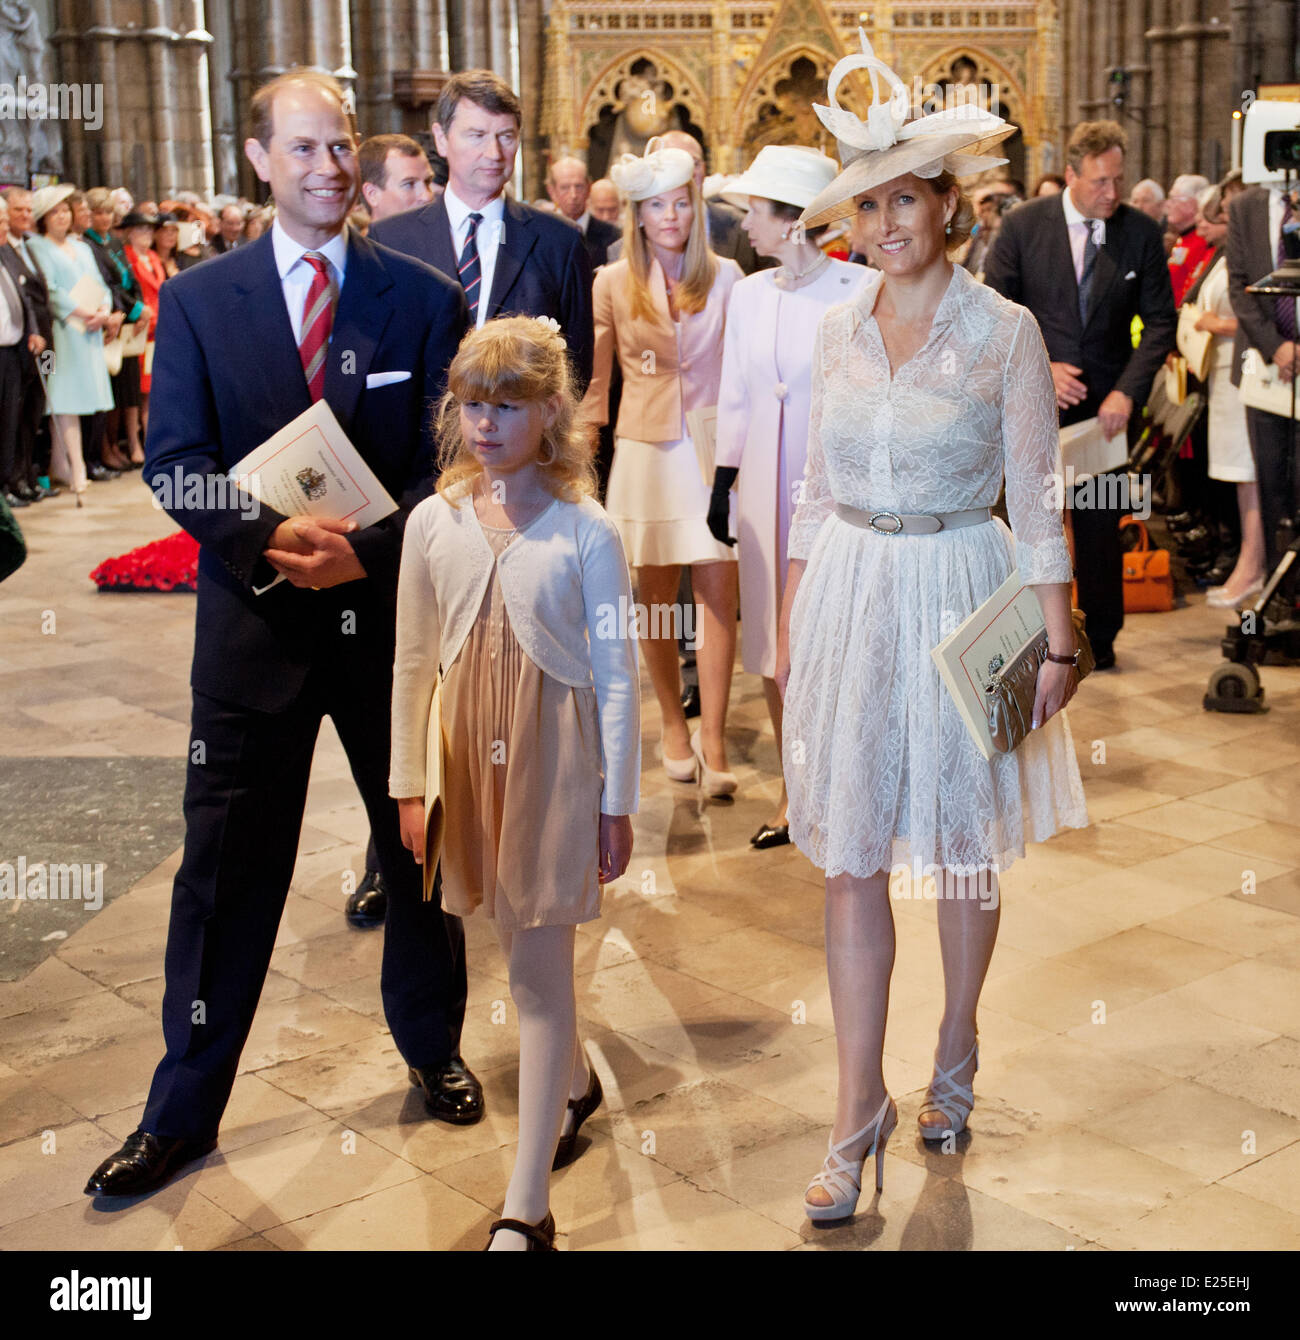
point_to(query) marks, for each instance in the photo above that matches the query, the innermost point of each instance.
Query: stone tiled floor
(1140, 1029)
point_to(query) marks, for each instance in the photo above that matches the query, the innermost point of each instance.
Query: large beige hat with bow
(660, 169)
(47, 197)
(886, 145)
(790, 173)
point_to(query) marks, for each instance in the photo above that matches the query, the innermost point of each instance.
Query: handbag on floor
(1148, 582)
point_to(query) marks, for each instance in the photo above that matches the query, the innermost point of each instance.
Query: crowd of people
(874, 423)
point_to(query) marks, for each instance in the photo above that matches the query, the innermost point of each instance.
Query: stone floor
(1140, 1029)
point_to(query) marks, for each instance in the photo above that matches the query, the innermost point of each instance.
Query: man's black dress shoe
(49, 490)
(691, 700)
(25, 490)
(581, 1108)
(100, 473)
(1104, 658)
(14, 500)
(144, 1163)
(368, 905)
(771, 835)
(451, 1092)
(1182, 521)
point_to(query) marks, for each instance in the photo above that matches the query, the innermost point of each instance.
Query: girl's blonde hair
(517, 358)
(699, 269)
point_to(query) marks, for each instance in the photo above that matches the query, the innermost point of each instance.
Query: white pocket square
(1132, 274)
(385, 378)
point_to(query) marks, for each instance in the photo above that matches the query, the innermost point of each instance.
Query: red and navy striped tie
(317, 321)
(469, 271)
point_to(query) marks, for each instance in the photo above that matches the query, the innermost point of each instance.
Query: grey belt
(900, 523)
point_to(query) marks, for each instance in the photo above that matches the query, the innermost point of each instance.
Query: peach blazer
(668, 367)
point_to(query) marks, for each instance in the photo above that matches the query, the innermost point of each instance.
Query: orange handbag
(1148, 583)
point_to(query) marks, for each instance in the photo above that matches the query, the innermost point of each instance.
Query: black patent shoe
(368, 905)
(1182, 521)
(691, 700)
(771, 835)
(451, 1092)
(581, 1108)
(101, 474)
(541, 1237)
(144, 1163)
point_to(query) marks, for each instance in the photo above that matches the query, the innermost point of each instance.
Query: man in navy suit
(245, 344)
(1085, 265)
(510, 259)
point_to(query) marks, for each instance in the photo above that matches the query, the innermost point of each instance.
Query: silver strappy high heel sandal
(841, 1178)
(952, 1100)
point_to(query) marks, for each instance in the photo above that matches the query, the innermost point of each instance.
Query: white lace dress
(879, 765)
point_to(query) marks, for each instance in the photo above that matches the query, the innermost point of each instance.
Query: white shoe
(841, 1178)
(680, 769)
(1217, 596)
(714, 783)
(952, 1100)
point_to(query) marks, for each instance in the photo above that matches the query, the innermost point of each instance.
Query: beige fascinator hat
(660, 169)
(886, 145)
(790, 173)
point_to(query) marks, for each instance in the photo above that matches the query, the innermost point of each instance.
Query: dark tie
(469, 270)
(1284, 307)
(1090, 250)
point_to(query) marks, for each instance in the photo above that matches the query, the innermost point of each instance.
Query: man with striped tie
(246, 343)
(510, 258)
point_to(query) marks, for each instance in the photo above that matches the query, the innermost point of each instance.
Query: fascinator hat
(660, 169)
(886, 145)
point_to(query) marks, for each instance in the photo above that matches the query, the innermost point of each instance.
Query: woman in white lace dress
(928, 390)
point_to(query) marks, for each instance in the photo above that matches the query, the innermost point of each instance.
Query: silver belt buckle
(895, 529)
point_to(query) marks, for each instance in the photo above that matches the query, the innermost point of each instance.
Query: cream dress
(522, 779)
(879, 765)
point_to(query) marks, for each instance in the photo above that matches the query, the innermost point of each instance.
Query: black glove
(724, 476)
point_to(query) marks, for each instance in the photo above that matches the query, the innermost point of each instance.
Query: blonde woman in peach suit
(661, 309)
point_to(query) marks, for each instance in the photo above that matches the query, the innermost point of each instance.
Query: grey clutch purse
(1011, 695)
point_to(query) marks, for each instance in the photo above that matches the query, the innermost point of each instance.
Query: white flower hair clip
(553, 326)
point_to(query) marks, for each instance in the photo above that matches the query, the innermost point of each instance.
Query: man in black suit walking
(569, 187)
(510, 259)
(1266, 332)
(1085, 265)
(318, 312)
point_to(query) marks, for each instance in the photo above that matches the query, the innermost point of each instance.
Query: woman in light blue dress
(77, 382)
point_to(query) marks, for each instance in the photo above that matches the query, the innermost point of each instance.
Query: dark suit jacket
(598, 238)
(1250, 258)
(1030, 263)
(17, 271)
(728, 238)
(117, 275)
(37, 292)
(542, 268)
(226, 376)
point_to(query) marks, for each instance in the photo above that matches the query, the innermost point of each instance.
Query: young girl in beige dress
(512, 580)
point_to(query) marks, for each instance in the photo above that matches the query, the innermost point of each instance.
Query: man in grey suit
(1266, 330)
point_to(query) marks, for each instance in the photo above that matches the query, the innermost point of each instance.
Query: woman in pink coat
(763, 400)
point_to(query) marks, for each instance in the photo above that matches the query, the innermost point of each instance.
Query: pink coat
(763, 405)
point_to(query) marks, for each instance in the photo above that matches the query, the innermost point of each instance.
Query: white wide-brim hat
(886, 145)
(791, 173)
(660, 169)
(47, 197)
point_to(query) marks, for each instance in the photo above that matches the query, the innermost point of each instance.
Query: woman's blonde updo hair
(517, 358)
(963, 219)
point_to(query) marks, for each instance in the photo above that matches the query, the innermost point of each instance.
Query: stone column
(102, 36)
(159, 39)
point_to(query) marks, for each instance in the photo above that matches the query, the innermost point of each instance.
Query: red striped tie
(317, 320)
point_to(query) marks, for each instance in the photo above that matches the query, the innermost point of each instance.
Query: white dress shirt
(11, 330)
(296, 274)
(1078, 225)
(491, 233)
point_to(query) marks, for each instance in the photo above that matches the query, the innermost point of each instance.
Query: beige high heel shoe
(841, 1178)
(714, 783)
(951, 1100)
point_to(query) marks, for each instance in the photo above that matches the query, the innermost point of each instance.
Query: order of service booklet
(970, 657)
(310, 468)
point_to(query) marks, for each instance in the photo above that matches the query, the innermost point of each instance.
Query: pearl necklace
(786, 278)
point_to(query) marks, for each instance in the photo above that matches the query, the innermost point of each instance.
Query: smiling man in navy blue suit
(512, 259)
(239, 350)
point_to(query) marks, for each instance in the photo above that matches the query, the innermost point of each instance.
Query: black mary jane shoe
(451, 1092)
(144, 1163)
(581, 1108)
(367, 905)
(771, 835)
(541, 1237)
(691, 701)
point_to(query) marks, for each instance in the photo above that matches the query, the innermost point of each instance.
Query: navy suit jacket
(598, 239)
(226, 376)
(1030, 262)
(542, 268)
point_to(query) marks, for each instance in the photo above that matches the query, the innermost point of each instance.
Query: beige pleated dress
(522, 779)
